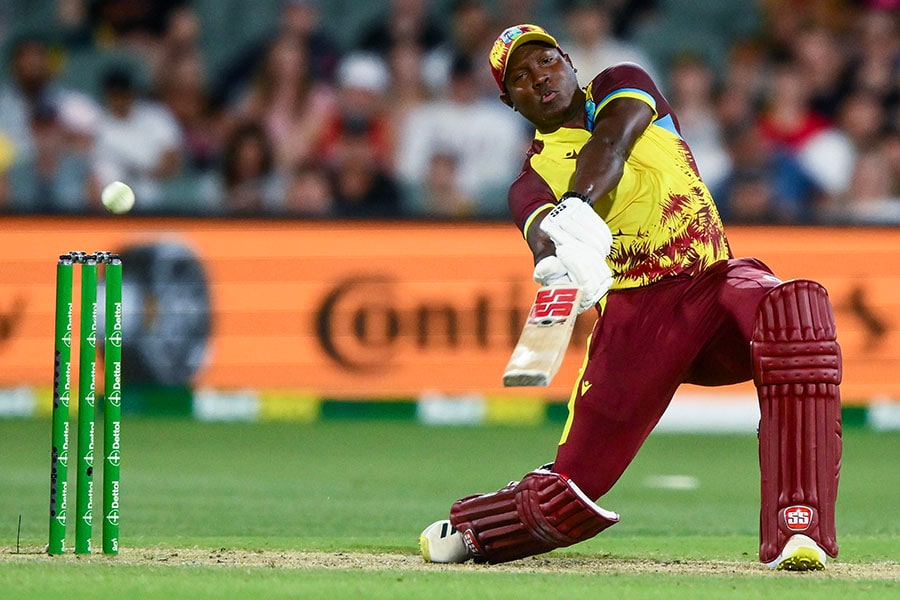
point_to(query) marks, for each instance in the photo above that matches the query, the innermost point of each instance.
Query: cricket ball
(117, 197)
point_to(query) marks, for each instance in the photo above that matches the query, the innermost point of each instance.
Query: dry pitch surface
(225, 558)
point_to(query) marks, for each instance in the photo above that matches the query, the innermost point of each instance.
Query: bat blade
(545, 337)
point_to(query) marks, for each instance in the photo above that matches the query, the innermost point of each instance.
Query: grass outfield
(333, 510)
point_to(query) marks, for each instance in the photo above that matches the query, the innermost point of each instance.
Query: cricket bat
(539, 352)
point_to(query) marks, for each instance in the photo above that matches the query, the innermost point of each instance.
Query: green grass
(371, 486)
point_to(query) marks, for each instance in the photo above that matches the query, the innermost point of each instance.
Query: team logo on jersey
(798, 518)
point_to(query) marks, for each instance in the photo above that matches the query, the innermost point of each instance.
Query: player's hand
(588, 269)
(575, 220)
(550, 270)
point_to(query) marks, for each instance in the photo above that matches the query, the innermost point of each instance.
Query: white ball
(117, 197)
(442, 543)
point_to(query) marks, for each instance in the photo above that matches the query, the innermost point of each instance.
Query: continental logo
(363, 323)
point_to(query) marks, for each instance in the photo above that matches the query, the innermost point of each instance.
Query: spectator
(247, 182)
(590, 43)
(487, 138)
(288, 102)
(472, 31)
(891, 148)
(440, 195)
(363, 186)
(758, 180)
(862, 117)
(182, 91)
(875, 65)
(6, 160)
(799, 134)
(138, 26)
(692, 84)
(515, 11)
(873, 196)
(56, 177)
(138, 141)
(363, 81)
(819, 82)
(309, 192)
(783, 20)
(750, 198)
(298, 20)
(628, 15)
(743, 85)
(823, 65)
(406, 21)
(704, 27)
(408, 87)
(32, 85)
(179, 43)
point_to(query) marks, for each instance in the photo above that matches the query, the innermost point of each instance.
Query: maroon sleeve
(631, 76)
(528, 192)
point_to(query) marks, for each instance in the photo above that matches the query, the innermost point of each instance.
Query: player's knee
(794, 336)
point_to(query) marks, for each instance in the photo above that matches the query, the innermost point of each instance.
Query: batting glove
(575, 220)
(588, 269)
(550, 270)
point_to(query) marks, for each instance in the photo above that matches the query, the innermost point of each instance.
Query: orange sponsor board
(364, 310)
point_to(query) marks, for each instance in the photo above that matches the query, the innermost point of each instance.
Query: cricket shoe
(800, 553)
(442, 543)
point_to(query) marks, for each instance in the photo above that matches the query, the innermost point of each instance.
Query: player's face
(541, 84)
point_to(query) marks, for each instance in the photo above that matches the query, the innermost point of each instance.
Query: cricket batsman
(609, 198)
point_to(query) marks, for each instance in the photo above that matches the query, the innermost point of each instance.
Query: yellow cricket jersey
(662, 216)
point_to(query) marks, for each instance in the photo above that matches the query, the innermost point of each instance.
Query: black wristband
(581, 197)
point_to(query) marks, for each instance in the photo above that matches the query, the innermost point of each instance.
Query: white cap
(363, 71)
(829, 158)
(79, 114)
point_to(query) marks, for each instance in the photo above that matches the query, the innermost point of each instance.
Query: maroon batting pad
(542, 512)
(797, 371)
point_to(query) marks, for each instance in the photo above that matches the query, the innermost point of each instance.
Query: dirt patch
(294, 559)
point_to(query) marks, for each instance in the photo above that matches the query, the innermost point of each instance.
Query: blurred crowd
(792, 107)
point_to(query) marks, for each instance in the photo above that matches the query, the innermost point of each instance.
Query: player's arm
(601, 162)
(578, 237)
(539, 242)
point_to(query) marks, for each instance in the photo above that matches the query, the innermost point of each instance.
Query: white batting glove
(550, 270)
(588, 269)
(574, 220)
